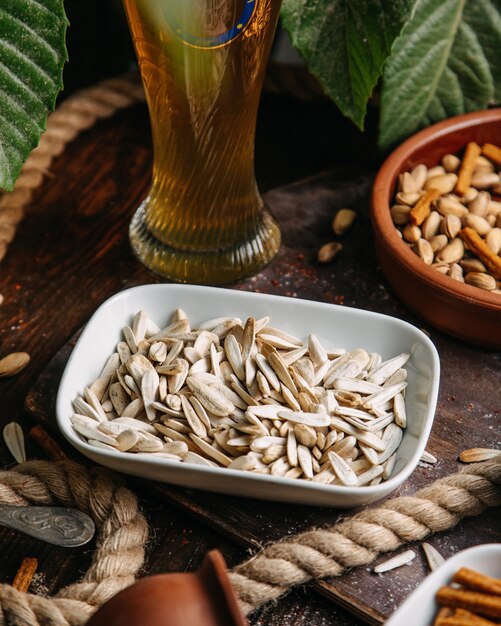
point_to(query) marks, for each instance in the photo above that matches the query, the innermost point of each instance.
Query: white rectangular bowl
(420, 608)
(336, 326)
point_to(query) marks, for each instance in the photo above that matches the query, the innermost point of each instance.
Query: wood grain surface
(72, 252)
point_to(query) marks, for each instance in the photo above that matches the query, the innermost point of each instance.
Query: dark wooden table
(71, 253)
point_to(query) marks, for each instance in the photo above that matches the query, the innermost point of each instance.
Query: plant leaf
(484, 17)
(444, 63)
(32, 55)
(345, 44)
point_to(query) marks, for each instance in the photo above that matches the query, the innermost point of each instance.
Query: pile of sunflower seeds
(247, 396)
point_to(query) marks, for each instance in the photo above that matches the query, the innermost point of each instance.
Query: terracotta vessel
(456, 308)
(204, 598)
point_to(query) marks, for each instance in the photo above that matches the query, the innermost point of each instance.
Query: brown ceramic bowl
(456, 308)
(203, 598)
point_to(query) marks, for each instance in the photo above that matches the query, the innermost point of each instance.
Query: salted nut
(447, 216)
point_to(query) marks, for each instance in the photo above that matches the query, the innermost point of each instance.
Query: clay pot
(456, 308)
(204, 598)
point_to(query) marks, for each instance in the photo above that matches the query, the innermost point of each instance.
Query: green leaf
(345, 44)
(32, 55)
(445, 62)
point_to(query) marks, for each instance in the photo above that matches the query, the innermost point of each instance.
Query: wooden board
(468, 411)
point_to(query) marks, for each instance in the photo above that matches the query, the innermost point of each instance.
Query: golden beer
(202, 63)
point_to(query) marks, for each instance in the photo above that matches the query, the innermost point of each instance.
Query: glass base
(211, 267)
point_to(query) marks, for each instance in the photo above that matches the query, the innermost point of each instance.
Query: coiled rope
(79, 112)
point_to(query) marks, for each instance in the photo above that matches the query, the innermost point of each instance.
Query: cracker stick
(477, 582)
(474, 619)
(478, 246)
(492, 152)
(474, 601)
(467, 166)
(421, 209)
(25, 573)
(443, 613)
(466, 621)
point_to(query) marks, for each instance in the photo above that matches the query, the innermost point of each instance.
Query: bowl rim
(383, 225)
(378, 491)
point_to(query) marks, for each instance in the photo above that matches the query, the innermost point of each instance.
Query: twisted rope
(122, 533)
(79, 112)
(318, 553)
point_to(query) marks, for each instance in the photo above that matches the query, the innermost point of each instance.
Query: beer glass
(202, 63)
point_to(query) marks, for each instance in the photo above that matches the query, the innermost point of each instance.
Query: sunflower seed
(397, 561)
(119, 398)
(342, 470)
(293, 355)
(127, 439)
(391, 438)
(388, 466)
(84, 408)
(268, 372)
(426, 457)
(308, 419)
(149, 392)
(381, 373)
(197, 459)
(245, 463)
(88, 428)
(210, 451)
(194, 421)
(210, 398)
(369, 475)
(92, 399)
(305, 460)
(292, 454)
(14, 440)
(273, 453)
(433, 556)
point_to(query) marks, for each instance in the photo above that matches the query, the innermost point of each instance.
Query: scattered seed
(328, 251)
(433, 556)
(13, 363)
(14, 440)
(397, 561)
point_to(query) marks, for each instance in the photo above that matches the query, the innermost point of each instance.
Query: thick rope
(122, 533)
(315, 554)
(79, 112)
(318, 553)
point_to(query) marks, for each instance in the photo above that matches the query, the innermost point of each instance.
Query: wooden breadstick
(465, 174)
(421, 209)
(492, 152)
(47, 443)
(474, 601)
(25, 573)
(477, 582)
(478, 246)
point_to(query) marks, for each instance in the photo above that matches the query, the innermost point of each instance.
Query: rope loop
(122, 533)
